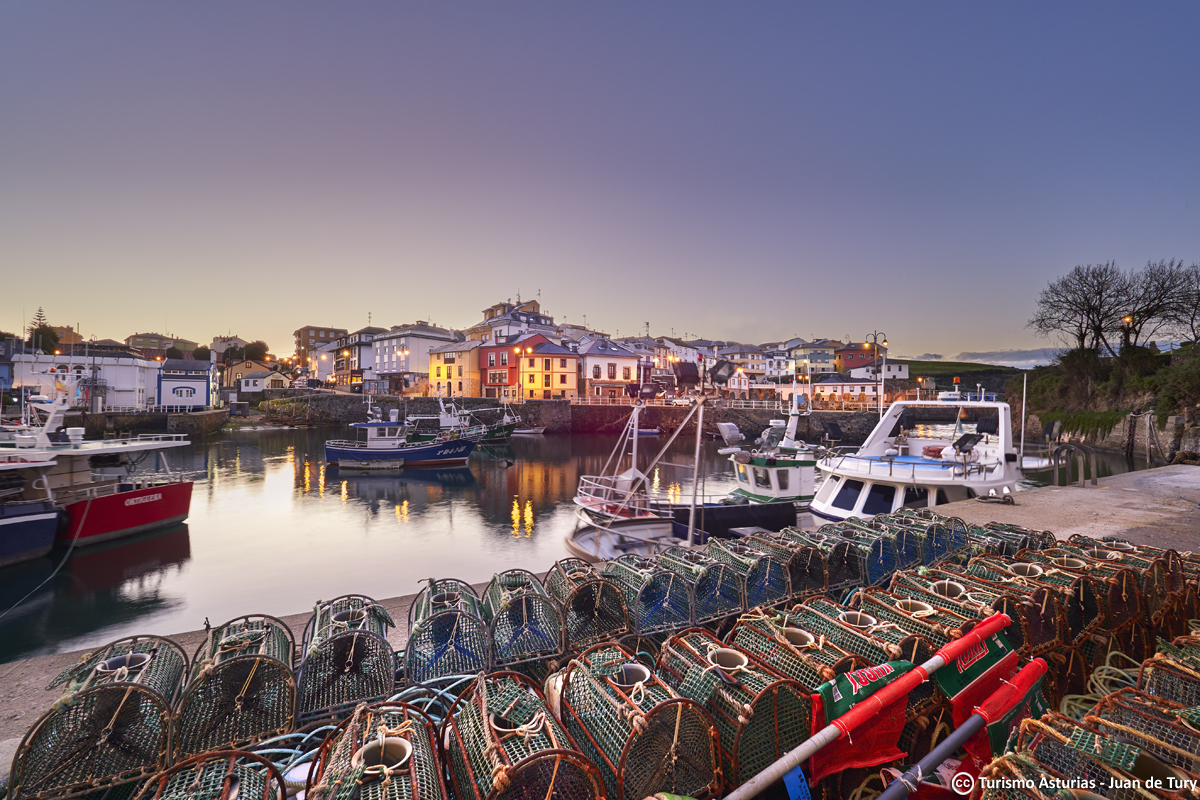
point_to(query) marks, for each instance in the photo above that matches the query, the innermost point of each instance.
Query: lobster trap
(110, 727)
(1084, 600)
(760, 715)
(594, 609)
(1171, 677)
(908, 542)
(642, 735)
(938, 541)
(658, 600)
(1037, 611)
(221, 775)
(805, 565)
(938, 625)
(1163, 727)
(524, 622)
(241, 689)
(384, 751)
(447, 633)
(792, 651)
(500, 740)
(347, 659)
(764, 577)
(717, 592)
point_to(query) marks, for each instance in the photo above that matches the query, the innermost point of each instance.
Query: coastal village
(516, 352)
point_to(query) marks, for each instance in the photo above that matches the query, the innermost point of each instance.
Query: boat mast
(633, 432)
(696, 474)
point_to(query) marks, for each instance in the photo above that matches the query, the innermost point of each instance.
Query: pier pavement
(1158, 507)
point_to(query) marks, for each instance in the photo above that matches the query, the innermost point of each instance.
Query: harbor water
(273, 529)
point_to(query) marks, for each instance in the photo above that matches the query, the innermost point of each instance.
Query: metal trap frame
(805, 564)
(1172, 678)
(759, 714)
(845, 568)
(110, 727)
(658, 600)
(938, 625)
(643, 736)
(717, 591)
(218, 775)
(807, 658)
(241, 690)
(1038, 610)
(1084, 600)
(764, 577)
(1156, 721)
(443, 594)
(383, 751)
(525, 624)
(500, 740)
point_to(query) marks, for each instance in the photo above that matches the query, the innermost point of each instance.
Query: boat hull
(26, 531)
(101, 519)
(433, 454)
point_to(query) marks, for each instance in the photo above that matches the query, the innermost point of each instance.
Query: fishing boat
(464, 422)
(777, 467)
(384, 444)
(95, 482)
(536, 431)
(899, 467)
(28, 516)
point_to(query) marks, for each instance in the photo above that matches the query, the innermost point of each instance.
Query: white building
(780, 364)
(606, 368)
(102, 379)
(402, 353)
(187, 384)
(892, 370)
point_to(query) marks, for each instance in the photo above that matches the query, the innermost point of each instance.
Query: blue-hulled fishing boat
(383, 444)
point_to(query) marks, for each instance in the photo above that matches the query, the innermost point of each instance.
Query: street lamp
(875, 336)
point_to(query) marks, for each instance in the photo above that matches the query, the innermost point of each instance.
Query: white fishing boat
(536, 431)
(777, 467)
(899, 467)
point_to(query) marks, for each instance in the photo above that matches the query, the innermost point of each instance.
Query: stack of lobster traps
(594, 609)
(717, 590)
(345, 659)
(524, 621)
(446, 633)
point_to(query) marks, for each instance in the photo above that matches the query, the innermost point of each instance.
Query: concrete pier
(1158, 507)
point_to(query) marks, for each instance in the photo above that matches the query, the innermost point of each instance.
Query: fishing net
(384, 751)
(501, 741)
(452, 641)
(642, 735)
(1162, 727)
(105, 735)
(594, 612)
(565, 575)
(717, 591)
(792, 651)
(241, 689)
(764, 577)
(526, 624)
(217, 776)
(805, 564)
(759, 714)
(938, 625)
(441, 595)
(658, 599)
(349, 612)
(1083, 599)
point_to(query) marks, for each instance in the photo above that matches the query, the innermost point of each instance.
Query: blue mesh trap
(657, 599)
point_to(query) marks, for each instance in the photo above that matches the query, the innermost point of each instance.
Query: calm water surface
(272, 530)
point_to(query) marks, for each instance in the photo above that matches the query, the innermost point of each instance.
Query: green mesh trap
(594, 611)
(241, 689)
(1169, 731)
(500, 740)
(759, 714)
(1083, 599)
(938, 625)
(351, 612)
(657, 599)
(445, 594)
(717, 591)
(217, 776)
(805, 564)
(449, 642)
(508, 584)
(764, 577)
(383, 751)
(525, 624)
(642, 735)
(807, 658)
(565, 575)
(845, 565)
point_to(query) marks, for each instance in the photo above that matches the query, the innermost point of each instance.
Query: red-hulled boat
(99, 504)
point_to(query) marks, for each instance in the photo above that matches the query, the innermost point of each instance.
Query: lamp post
(875, 336)
(404, 371)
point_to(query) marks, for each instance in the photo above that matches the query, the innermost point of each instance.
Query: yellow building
(454, 370)
(549, 372)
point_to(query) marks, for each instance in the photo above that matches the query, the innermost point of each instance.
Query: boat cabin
(382, 435)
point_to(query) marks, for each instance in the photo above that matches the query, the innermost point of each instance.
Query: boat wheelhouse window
(915, 497)
(741, 474)
(847, 496)
(879, 499)
(762, 478)
(781, 476)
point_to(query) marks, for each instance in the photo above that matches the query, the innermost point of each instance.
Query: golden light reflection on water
(345, 492)
(516, 519)
(528, 518)
(402, 512)
(654, 486)
(674, 491)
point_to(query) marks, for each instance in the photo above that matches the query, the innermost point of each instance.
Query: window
(625, 373)
(741, 474)
(847, 496)
(460, 372)
(498, 376)
(532, 381)
(597, 388)
(532, 363)
(184, 392)
(562, 378)
(491, 359)
(460, 386)
(562, 363)
(612, 372)
(439, 372)
(879, 499)
(546, 364)
(596, 375)
(762, 478)
(546, 381)
(310, 332)
(916, 497)
(504, 359)
(781, 477)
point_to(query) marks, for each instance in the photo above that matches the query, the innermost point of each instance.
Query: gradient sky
(751, 171)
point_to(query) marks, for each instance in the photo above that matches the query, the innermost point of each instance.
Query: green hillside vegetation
(951, 368)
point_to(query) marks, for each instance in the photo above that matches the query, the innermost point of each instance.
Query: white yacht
(900, 467)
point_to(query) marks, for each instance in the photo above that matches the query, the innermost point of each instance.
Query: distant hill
(951, 368)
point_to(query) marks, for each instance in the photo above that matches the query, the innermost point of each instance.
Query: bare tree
(1156, 301)
(1084, 308)
(1186, 317)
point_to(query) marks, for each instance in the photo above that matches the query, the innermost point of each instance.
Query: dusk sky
(751, 171)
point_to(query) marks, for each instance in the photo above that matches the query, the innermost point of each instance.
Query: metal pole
(1024, 414)
(696, 474)
(863, 711)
